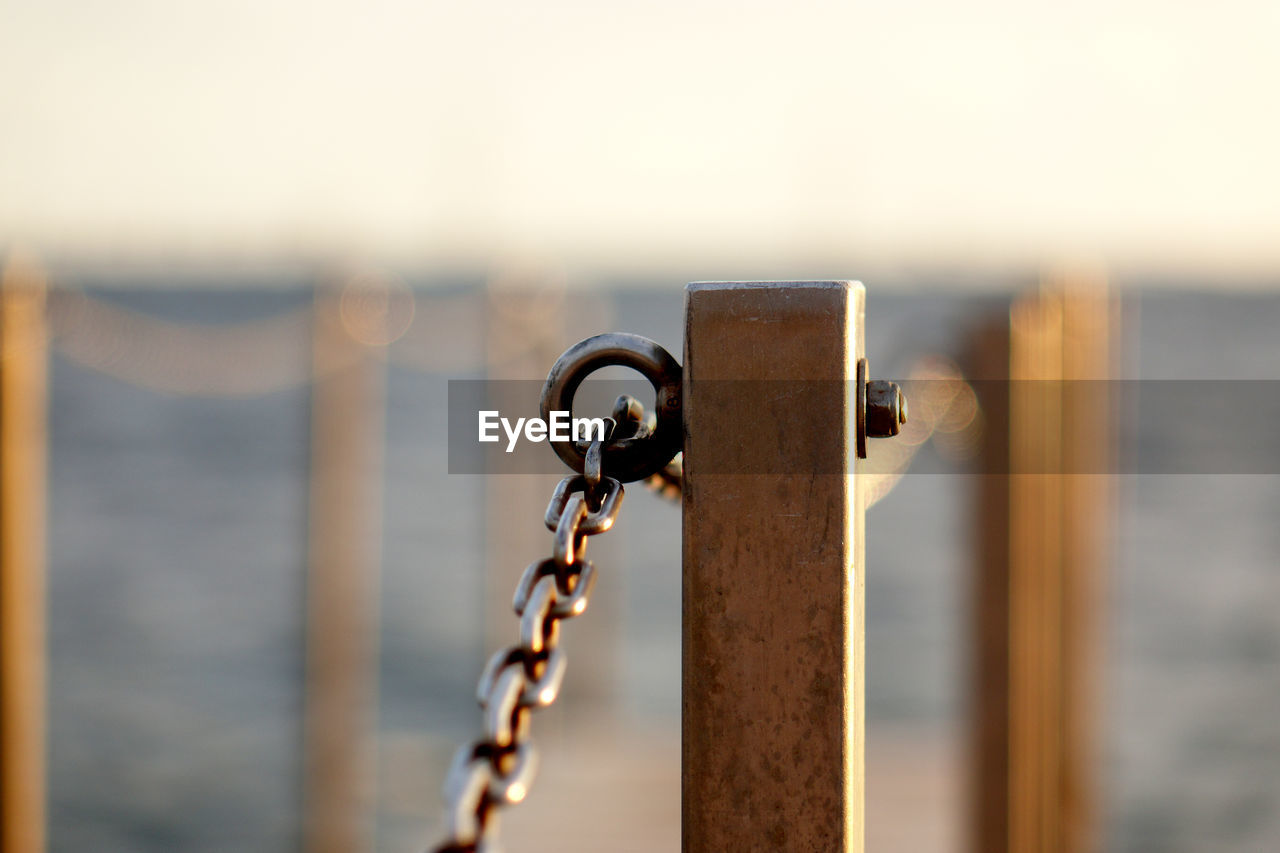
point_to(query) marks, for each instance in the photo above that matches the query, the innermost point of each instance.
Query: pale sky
(641, 135)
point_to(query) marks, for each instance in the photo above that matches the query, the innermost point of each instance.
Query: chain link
(497, 769)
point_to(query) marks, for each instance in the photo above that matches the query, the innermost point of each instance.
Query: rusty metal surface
(773, 574)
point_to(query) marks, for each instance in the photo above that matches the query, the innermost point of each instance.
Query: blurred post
(1044, 504)
(528, 318)
(23, 446)
(773, 569)
(347, 436)
(524, 335)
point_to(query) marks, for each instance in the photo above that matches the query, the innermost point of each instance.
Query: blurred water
(176, 560)
(177, 567)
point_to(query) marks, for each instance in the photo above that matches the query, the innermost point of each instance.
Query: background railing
(189, 524)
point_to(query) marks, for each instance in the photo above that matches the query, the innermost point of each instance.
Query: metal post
(773, 569)
(23, 442)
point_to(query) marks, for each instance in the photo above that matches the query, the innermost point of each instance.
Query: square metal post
(773, 668)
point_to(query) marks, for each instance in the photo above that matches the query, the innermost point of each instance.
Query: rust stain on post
(773, 571)
(23, 443)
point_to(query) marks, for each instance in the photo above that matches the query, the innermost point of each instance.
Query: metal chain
(497, 769)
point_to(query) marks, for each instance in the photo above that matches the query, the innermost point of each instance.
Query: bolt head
(886, 408)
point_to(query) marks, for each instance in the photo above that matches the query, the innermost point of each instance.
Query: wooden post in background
(1043, 508)
(773, 572)
(23, 448)
(987, 366)
(529, 322)
(348, 407)
(523, 336)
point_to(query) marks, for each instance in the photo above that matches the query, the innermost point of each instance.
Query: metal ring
(627, 459)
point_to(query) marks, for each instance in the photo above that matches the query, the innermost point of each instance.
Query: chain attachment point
(519, 679)
(628, 457)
